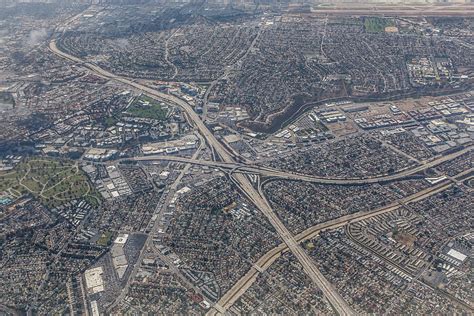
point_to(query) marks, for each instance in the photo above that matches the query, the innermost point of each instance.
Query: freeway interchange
(337, 302)
(274, 173)
(237, 169)
(240, 287)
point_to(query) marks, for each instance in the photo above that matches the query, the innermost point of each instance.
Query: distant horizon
(238, 2)
(236, 158)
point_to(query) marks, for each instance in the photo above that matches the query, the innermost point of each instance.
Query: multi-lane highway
(335, 299)
(228, 161)
(270, 172)
(241, 286)
(339, 305)
(159, 210)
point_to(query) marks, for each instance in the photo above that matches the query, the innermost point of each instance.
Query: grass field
(104, 239)
(377, 25)
(54, 182)
(147, 107)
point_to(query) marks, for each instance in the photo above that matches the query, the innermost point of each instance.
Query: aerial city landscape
(236, 157)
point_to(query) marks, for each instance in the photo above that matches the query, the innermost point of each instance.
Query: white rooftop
(457, 255)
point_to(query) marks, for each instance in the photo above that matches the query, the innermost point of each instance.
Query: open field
(146, 107)
(397, 10)
(376, 24)
(54, 182)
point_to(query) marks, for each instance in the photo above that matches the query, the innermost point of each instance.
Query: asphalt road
(269, 172)
(241, 286)
(405, 10)
(257, 197)
(159, 210)
(339, 305)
